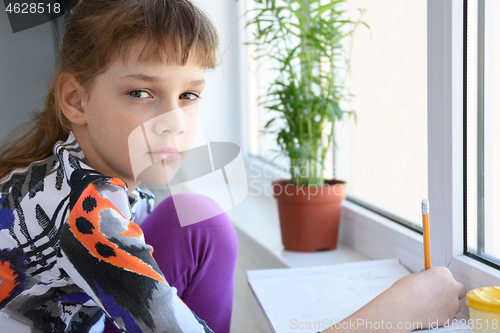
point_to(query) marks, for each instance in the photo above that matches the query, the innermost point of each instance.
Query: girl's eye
(189, 96)
(139, 94)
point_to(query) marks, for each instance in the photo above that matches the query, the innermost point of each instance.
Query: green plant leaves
(321, 9)
(303, 5)
(304, 41)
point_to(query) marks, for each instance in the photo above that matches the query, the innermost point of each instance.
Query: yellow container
(484, 309)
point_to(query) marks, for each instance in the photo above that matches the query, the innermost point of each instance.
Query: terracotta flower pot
(309, 215)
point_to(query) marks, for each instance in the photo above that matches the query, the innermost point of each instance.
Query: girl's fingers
(459, 308)
(463, 291)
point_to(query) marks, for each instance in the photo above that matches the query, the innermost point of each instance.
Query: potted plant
(304, 40)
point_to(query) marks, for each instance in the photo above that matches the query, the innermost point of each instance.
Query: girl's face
(138, 116)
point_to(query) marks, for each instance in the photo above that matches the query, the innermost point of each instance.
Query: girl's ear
(70, 99)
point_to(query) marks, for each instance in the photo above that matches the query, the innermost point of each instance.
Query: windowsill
(257, 217)
(363, 236)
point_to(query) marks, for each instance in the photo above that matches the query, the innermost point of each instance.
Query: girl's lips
(166, 153)
(163, 156)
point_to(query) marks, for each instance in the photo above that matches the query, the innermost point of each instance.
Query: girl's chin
(158, 174)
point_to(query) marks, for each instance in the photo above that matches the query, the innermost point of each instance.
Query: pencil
(425, 226)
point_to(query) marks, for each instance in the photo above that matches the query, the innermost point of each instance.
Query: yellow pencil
(427, 240)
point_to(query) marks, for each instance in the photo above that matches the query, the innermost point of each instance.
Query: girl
(70, 248)
(69, 251)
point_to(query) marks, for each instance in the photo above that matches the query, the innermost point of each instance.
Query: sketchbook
(312, 299)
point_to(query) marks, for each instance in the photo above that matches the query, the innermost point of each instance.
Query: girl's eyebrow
(152, 79)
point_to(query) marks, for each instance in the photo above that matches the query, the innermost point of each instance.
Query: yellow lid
(484, 299)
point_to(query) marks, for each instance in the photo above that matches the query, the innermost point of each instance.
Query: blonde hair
(97, 31)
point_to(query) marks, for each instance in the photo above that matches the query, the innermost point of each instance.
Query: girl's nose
(171, 121)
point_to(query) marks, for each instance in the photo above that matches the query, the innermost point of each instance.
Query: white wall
(220, 106)
(26, 65)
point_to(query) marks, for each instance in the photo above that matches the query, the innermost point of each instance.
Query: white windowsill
(257, 217)
(363, 235)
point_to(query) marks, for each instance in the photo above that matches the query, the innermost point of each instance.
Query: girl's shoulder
(35, 202)
(33, 206)
(42, 182)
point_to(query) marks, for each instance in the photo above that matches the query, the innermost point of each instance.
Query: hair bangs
(171, 31)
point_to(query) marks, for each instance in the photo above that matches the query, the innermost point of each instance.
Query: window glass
(388, 146)
(482, 131)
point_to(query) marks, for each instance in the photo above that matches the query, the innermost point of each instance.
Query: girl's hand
(432, 296)
(419, 300)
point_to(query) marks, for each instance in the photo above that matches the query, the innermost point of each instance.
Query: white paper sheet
(313, 298)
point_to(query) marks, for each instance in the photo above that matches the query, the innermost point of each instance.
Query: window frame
(484, 124)
(446, 92)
